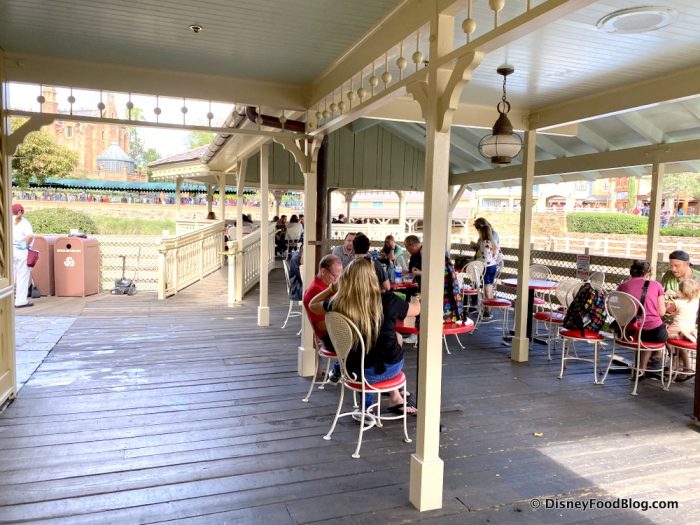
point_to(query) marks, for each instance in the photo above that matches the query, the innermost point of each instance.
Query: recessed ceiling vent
(637, 19)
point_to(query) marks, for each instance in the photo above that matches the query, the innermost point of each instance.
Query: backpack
(586, 311)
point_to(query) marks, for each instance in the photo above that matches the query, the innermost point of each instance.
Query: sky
(165, 141)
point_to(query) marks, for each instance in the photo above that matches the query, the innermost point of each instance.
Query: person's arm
(414, 308)
(386, 286)
(661, 301)
(316, 304)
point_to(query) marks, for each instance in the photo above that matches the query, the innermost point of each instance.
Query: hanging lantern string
(504, 102)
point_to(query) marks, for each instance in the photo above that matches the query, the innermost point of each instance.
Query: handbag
(32, 257)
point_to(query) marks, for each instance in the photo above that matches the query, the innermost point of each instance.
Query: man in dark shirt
(360, 245)
(415, 263)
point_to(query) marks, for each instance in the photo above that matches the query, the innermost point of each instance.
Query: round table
(532, 285)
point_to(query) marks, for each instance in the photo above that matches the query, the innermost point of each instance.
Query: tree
(39, 157)
(682, 185)
(198, 138)
(632, 193)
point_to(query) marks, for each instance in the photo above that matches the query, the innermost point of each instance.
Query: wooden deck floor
(185, 411)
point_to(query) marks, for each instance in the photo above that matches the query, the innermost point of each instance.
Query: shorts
(490, 274)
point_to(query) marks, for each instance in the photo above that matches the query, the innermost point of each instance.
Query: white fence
(249, 257)
(185, 259)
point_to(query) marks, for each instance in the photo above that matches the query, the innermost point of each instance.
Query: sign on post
(583, 266)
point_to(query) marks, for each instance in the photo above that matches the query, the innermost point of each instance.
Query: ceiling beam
(664, 88)
(598, 143)
(692, 106)
(362, 124)
(641, 125)
(639, 156)
(88, 75)
(551, 147)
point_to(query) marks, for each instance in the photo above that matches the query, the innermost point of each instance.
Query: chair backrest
(344, 334)
(597, 280)
(566, 291)
(541, 272)
(628, 312)
(473, 274)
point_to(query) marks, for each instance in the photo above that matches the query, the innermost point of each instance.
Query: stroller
(124, 286)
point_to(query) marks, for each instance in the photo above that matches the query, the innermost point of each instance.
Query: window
(69, 131)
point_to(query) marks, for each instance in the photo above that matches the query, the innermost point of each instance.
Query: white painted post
(628, 247)
(264, 308)
(231, 289)
(210, 197)
(240, 265)
(654, 226)
(222, 196)
(178, 198)
(521, 343)
(402, 214)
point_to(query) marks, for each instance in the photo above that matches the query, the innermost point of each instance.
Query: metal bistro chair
(497, 303)
(344, 335)
(564, 293)
(471, 280)
(674, 346)
(569, 352)
(630, 315)
(293, 305)
(597, 280)
(321, 353)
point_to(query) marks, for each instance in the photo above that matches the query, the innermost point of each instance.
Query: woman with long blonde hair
(356, 295)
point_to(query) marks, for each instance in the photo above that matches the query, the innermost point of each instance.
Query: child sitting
(685, 309)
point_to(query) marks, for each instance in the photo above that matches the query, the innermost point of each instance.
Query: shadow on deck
(185, 410)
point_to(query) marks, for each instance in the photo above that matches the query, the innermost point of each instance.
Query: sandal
(398, 409)
(684, 374)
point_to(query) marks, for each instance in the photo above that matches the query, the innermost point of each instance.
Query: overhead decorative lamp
(502, 145)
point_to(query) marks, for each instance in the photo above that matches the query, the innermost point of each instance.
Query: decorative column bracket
(34, 123)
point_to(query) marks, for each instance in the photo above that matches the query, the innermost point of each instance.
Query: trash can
(76, 266)
(42, 273)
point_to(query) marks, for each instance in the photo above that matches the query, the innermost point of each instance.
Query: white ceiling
(289, 41)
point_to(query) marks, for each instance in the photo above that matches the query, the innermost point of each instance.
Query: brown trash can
(42, 273)
(76, 266)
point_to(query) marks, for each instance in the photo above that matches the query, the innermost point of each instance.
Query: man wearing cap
(681, 269)
(22, 238)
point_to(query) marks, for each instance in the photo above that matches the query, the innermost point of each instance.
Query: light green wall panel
(285, 172)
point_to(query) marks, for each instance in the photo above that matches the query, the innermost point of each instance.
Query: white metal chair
(675, 346)
(564, 293)
(597, 280)
(321, 353)
(295, 307)
(471, 280)
(345, 336)
(630, 315)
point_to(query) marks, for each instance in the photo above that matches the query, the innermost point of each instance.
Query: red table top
(447, 328)
(532, 284)
(403, 286)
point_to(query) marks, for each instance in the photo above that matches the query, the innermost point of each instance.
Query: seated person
(329, 269)
(651, 295)
(361, 245)
(390, 250)
(295, 283)
(415, 264)
(680, 269)
(684, 306)
(346, 252)
(294, 229)
(357, 296)
(452, 294)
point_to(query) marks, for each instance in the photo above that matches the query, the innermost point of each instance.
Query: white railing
(188, 258)
(249, 257)
(373, 231)
(183, 226)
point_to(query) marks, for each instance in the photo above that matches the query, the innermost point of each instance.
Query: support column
(521, 343)
(654, 225)
(438, 98)
(455, 196)
(178, 197)
(306, 156)
(402, 214)
(264, 309)
(278, 200)
(210, 197)
(8, 376)
(348, 200)
(222, 196)
(240, 266)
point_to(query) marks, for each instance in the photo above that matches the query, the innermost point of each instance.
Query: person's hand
(333, 288)
(416, 271)
(22, 245)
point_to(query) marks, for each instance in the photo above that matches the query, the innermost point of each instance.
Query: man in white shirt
(346, 252)
(22, 238)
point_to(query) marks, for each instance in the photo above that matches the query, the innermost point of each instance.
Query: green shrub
(61, 221)
(606, 223)
(680, 231)
(687, 218)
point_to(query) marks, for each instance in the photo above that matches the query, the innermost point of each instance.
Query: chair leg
(444, 340)
(327, 437)
(289, 313)
(607, 369)
(635, 370)
(564, 352)
(406, 439)
(595, 362)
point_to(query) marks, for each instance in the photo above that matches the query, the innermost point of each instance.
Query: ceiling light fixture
(637, 19)
(196, 28)
(502, 145)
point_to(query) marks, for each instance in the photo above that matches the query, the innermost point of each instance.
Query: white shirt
(20, 231)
